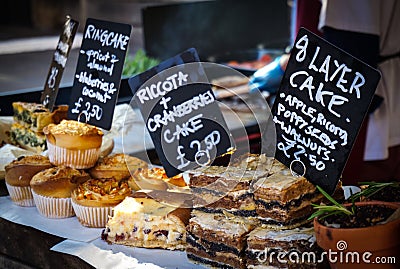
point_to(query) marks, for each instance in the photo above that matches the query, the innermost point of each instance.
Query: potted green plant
(358, 234)
(381, 191)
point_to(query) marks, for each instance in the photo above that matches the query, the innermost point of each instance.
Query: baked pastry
(36, 116)
(141, 221)
(118, 166)
(217, 189)
(26, 138)
(264, 246)
(259, 162)
(74, 144)
(18, 175)
(284, 201)
(93, 200)
(155, 179)
(147, 179)
(51, 189)
(217, 239)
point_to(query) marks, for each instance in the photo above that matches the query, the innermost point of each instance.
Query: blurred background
(220, 30)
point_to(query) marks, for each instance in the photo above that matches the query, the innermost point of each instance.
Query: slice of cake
(217, 239)
(217, 189)
(295, 248)
(141, 221)
(283, 201)
(36, 116)
(29, 121)
(27, 139)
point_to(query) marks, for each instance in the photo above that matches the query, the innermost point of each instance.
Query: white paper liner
(55, 208)
(21, 196)
(74, 158)
(91, 216)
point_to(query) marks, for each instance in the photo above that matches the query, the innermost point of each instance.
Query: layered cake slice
(295, 248)
(141, 221)
(218, 189)
(283, 201)
(218, 240)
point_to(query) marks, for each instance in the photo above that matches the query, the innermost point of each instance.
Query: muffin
(18, 175)
(154, 179)
(51, 190)
(94, 200)
(118, 166)
(74, 144)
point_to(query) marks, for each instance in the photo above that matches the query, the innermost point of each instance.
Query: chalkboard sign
(60, 56)
(322, 101)
(98, 73)
(181, 113)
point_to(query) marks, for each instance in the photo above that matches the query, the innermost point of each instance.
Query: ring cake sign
(98, 73)
(322, 100)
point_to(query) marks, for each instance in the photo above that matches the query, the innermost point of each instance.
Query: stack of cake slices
(218, 240)
(218, 189)
(29, 121)
(293, 248)
(258, 202)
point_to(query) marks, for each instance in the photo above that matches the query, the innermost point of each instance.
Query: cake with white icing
(141, 221)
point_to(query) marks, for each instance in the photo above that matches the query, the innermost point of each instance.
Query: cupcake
(118, 166)
(73, 144)
(94, 200)
(147, 179)
(51, 190)
(18, 175)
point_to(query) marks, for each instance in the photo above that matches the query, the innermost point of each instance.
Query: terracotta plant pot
(372, 245)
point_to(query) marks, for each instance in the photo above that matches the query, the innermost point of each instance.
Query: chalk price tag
(57, 66)
(98, 73)
(181, 113)
(323, 98)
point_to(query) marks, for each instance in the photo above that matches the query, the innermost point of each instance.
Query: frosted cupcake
(18, 175)
(73, 144)
(51, 190)
(94, 200)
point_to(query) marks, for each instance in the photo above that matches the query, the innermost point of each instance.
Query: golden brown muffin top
(122, 161)
(30, 160)
(72, 127)
(102, 189)
(59, 172)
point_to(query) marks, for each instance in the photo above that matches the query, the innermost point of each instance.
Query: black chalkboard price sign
(322, 100)
(98, 72)
(181, 113)
(60, 56)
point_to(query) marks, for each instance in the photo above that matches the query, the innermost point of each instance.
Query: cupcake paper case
(73, 144)
(51, 189)
(18, 175)
(93, 201)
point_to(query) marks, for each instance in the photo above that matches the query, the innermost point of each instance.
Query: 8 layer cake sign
(323, 98)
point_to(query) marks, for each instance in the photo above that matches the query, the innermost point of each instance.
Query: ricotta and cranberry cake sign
(181, 113)
(98, 73)
(57, 66)
(323, 98)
